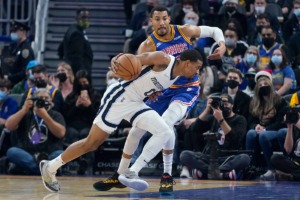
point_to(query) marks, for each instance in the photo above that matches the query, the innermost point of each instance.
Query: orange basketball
(129, 67)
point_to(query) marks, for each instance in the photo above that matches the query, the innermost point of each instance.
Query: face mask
(259, 9)
(230, 42)
(2, 95)
(14, 37)
(111, 81)
(226, 112)
(258, 28)
(277, 60)
(264, 90)
(186, 10)
(297, 12)
(251, 84)
(232, 84)
(84, 87)
(84, 23)
(40, 83)
(250, 58)
(61, 76)
(230, 9)
(190, 21)
(268, 42)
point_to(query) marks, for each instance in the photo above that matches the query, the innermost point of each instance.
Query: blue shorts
(187, 96)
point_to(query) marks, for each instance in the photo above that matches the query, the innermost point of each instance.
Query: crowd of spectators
(255, 80)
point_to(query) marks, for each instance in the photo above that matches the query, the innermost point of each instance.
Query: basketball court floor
(75, 188)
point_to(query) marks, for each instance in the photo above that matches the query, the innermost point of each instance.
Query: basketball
(129, 67)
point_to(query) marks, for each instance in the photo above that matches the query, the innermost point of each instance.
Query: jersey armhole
(182, 34)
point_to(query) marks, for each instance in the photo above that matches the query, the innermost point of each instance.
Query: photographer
(38, 130)
(288, 167)
(233, 128)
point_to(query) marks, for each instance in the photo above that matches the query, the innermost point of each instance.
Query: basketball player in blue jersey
(124, 100)
(176, 101)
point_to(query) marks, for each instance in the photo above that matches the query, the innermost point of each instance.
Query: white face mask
(186, 10)
(259, 9)
(190, 21)
(111, 81)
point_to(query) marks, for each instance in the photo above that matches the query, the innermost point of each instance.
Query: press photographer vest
(32, 90)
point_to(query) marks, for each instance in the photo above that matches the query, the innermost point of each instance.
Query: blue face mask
(190, 21)
(14, 37)
(277, 60)
(2, 95)
(297, 12)
(250, 58)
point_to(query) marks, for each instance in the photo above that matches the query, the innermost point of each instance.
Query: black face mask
(268, 42)
(226, 112)
(230, 9)
(251, 84)
(259, 28)
(61, 76)
(264, 90)
(40, 83)
(232, 84)
(84, 87)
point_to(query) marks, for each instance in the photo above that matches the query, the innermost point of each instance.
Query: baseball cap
(32, 64)
(19, 26)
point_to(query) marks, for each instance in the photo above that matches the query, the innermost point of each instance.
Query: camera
(216, 102)
(212, 136)
(292, 114)
(40, 103)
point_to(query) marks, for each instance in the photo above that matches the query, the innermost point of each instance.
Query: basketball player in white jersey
(124, 100)
(177, 100)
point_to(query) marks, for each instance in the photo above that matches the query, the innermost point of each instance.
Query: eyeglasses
(250, 52)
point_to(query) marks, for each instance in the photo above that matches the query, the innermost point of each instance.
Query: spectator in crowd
(254, 36)
(231, 11)
(80, 107)
(75, 48)
(235, 49)
(232, 127)
(294, 50)
(241, 100)
(63, 79)
(186, 7)
(286, 7)
(260, 8)
(250, 62)
(24, 85)
(234, 23)
(292, 25)
(40, 80)
(250, 77)
(283, 76)
(39, 131)
(22, 53)
(268, 46)
(267, 110)
(287, 165)
(8, 105)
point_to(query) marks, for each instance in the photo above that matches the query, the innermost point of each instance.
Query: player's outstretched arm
(154, 58)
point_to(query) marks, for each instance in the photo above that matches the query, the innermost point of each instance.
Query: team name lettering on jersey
(157, 84)
(175, 49)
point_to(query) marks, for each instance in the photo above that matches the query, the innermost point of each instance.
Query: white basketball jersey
(149, 81)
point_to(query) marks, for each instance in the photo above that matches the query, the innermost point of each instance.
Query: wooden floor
(73, 188)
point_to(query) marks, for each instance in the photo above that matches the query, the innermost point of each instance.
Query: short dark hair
(81, 9)
(191, 54)
(269, 27)
(237, 71)
(39, 68)
(159, 9)
(5, 83)
(263, 16)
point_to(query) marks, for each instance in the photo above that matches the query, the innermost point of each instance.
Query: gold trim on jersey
(152, 42)
(196, 83)
(165, 40)
(183, 35)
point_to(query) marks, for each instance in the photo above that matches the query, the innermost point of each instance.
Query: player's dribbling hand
(114, 64)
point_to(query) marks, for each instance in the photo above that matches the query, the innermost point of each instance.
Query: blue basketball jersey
(265, 55)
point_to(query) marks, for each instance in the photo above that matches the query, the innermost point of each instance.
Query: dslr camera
(216, 102)
(210, 136)
(292, 114)
(39, 102)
